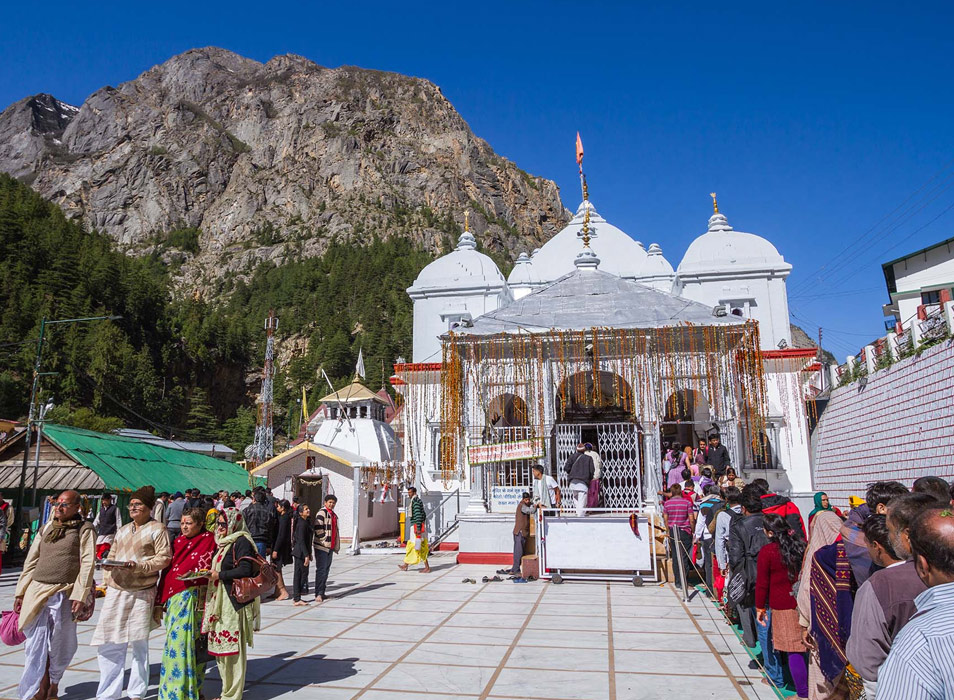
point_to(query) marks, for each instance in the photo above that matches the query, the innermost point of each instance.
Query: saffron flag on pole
(579, 150)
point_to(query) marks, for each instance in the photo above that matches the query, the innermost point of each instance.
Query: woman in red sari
(181, 675)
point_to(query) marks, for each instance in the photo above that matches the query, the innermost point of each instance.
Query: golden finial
(466, 221)
(586, 226)
(715, 203)
(586, 191)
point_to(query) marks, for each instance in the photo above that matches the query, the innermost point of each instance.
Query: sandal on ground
(504, 571)
(519, 579)
(470, 580)
(402, 567)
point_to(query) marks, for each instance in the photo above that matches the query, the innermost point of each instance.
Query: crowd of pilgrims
(839, 605)
(174, 564)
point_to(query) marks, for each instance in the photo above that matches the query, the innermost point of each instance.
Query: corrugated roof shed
(127, 463)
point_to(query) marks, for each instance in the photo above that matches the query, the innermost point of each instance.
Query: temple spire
(466, 221)
(715, 203)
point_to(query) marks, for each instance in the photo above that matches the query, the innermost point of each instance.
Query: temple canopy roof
(590, 298)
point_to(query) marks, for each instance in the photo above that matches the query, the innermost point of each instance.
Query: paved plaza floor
(388, 634)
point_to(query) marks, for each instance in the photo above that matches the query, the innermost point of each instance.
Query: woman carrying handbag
(228, 622)
(183, 596)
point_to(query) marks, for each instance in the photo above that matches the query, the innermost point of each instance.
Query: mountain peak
(271, 162)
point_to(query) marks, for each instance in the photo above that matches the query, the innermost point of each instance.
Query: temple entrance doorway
(601, 413)
(686, 419)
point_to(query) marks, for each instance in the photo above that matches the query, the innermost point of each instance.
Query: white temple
(725, 275)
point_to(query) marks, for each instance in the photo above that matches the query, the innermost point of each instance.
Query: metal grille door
(618, 446)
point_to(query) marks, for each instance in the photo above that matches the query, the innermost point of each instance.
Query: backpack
(711, 514)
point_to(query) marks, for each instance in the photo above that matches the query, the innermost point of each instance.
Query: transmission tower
(262, 449)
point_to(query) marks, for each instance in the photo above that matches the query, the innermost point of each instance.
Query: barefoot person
(416, 524)
(56, 579)
(141, 550)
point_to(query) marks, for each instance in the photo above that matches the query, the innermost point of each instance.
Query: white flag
(359, 368)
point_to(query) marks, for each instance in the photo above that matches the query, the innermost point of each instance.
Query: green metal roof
(127, 463)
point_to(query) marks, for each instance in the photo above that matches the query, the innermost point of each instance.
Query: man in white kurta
(141, 551)
(56, 579)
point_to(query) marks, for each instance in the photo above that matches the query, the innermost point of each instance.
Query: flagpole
(579, 161)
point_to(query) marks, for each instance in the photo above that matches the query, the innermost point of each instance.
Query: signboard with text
(504, 499)
(505, 451)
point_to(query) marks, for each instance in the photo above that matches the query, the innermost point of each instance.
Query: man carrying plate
(140, 551)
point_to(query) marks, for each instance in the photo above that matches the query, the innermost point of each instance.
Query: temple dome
(524, 273)
(462, 268)
(656, 265)
(722, 249)
(620, 254)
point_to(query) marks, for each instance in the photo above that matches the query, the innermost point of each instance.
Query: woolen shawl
(221, 619)
(824, 531)
(832, 599)
(188, 554)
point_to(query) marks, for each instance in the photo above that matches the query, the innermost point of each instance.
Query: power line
(845, 256)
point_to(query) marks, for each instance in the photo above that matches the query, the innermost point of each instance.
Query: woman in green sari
(181, 675)
(228, 623)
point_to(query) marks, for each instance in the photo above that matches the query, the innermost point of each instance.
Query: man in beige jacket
(141, 551)
(52, 590)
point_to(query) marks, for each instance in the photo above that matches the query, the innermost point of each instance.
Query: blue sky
(811, 120)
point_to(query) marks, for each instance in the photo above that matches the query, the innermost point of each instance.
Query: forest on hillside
(178, 364)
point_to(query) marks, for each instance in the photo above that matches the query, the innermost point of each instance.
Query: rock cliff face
(270, 161)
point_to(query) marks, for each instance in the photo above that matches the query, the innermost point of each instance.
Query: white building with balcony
(922, 278)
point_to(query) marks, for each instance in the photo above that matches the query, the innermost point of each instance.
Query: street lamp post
(21, 491)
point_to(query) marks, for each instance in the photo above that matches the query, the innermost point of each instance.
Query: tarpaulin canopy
(127, 463)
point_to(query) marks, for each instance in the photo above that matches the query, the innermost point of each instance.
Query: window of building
(932, 297)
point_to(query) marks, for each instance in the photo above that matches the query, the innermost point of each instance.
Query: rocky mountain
(219, 162)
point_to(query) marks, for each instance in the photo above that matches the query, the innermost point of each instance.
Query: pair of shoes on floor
(518, 579)
(488, 579)
(472, 580)
(504, 571)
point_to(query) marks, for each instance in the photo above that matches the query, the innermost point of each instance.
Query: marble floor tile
(563, 685)
(436, 678)
(460, 654)
(581, 659)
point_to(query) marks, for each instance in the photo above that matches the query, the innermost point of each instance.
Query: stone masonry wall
(899, 425)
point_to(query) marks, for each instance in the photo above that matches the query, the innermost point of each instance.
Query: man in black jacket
(717, 456)
(261, 522)
(580, 470)
(746, 538)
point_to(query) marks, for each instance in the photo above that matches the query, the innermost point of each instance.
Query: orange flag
(579, 149)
